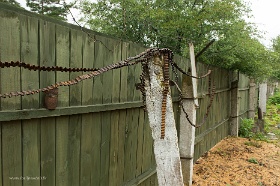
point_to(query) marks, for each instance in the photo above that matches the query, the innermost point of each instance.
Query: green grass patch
(253, 144)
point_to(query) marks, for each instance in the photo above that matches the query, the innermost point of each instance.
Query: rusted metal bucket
(51, 99)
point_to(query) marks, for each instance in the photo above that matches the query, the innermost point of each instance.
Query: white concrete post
(252, 95)
(166, 150)
(262, 97)
(187, 132)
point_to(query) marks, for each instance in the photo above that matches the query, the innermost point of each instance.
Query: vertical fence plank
(134, 135)
(115, 118)
(131, 76)
(114, 140)
(88, 130)
(140, 134)
(31, 128)
(47, 58)
(104, 57)
(128, 164)
(121, 145)
(75, 121)
(1, 171)
(105, 148)
(62, 59)
(10, 81)
(148, 159)
(116, 74)
(124, 74)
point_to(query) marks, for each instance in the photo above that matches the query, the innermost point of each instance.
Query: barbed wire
(181, 105)
(28, 66)
(140, 58)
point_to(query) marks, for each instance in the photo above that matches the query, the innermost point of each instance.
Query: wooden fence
(99, 134)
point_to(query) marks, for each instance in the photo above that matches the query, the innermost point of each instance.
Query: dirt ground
(238, 162)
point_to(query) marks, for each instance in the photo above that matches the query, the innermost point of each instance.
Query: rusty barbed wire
(166, 58)
(140, 58)
(185, 73)
(28, 66)
(212, 94)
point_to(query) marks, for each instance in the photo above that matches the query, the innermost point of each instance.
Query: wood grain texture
(10, 81)
(32, 128)
(75, 121)
(47, 58)
(61, 134)
(87, 131)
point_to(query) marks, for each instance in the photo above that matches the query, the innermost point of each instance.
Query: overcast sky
(266, 14)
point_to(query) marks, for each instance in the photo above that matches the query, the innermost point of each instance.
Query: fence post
(262, 97)
(166, 150)
(252, 95)
(234, 108)
(187, 132)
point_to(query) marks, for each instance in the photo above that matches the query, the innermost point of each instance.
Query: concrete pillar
(262, 97)
(187, 132)
(166, 150)
(252, 102)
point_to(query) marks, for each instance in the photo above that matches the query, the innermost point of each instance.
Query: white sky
(266, 14)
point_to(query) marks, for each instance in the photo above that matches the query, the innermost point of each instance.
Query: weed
(259, 136)
(274, 100)
(272, 118)
(253, 160)
(253, 143)
(245, 129)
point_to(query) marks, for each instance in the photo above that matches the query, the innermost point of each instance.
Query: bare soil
(238, 162)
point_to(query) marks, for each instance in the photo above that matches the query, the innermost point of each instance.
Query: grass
(253, 144)
(272, 118)
(253, 160)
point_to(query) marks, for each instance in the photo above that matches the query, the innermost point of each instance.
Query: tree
(173, 23)
(276, 57)
(53, 8)
(12, 2)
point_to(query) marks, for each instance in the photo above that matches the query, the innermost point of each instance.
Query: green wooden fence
(99, 134)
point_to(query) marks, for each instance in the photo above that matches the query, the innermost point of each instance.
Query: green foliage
(253, 144)
(52, 8)
(259, 136)
(245, 129)
(11, 2)
(173, 23)
(253, 160)
(275, 100)
(276, 57)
